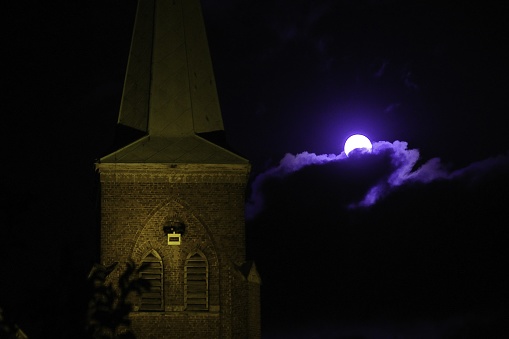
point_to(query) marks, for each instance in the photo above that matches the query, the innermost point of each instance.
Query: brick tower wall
(137, 200)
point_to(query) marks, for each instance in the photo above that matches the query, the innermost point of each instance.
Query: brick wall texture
(138, 200)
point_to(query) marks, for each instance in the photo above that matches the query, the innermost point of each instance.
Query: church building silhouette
(173, 199)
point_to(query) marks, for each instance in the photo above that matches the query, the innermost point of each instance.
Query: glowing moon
(357, 141)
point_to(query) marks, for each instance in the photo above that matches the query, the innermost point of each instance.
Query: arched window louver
(196, 283)
(152, 299)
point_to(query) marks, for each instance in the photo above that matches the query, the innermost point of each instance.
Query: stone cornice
(173, 173)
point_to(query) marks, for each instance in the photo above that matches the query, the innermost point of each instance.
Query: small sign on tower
(174, 239)
(174, 230)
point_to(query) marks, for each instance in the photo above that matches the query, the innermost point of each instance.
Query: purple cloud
(402, 164)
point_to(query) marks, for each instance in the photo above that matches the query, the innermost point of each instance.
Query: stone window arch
(152, 271)
(196, 281)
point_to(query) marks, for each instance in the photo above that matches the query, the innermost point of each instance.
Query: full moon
(357, 141)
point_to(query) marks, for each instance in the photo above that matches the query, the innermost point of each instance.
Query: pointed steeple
(169, 90)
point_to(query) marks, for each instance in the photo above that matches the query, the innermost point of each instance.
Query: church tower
(174, 199)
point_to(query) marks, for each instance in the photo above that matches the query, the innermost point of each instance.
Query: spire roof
(169, 89)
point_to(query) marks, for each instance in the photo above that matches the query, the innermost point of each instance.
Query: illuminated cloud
(392, 165)
(403, 161)
(289, 164)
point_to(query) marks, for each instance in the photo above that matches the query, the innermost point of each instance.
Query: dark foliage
(109, 307)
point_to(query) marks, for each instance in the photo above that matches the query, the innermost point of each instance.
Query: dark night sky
(428, 258)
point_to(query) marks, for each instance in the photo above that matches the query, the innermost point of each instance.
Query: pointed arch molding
(151, 235)
(197, 239)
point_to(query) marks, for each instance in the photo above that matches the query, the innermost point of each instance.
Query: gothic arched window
(196, 275)
(152, 299)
